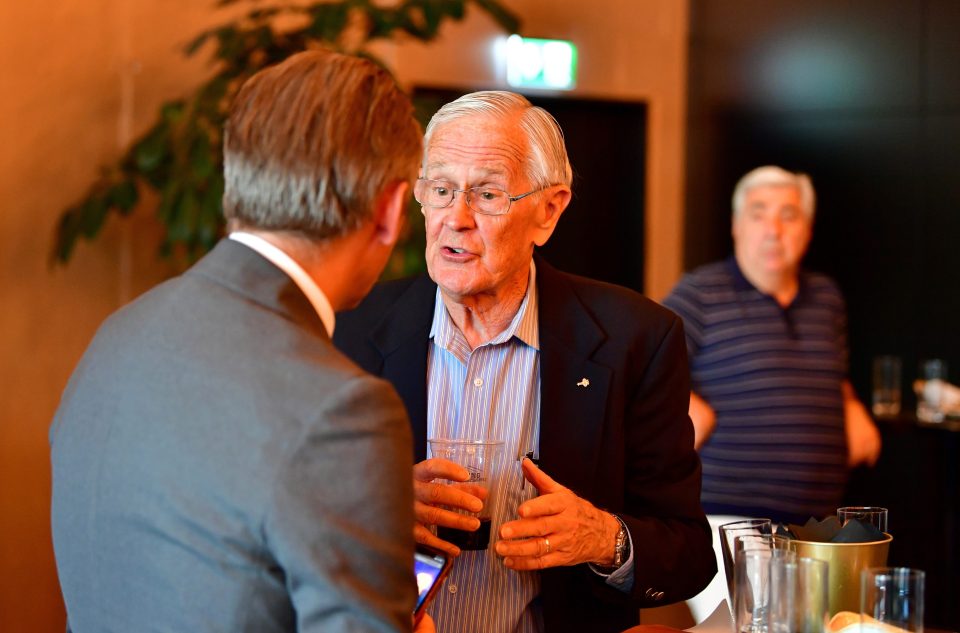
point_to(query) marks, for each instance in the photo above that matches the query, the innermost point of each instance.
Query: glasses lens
(488, 201)
(433, 193)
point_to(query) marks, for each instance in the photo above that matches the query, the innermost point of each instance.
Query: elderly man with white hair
(589, 378)
(777, 422)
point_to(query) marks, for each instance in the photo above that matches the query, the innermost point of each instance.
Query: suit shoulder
(618, 304)
(378, 301)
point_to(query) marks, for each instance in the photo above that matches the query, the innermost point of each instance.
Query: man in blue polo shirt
(777, 423)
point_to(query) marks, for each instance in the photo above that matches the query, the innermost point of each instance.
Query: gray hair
(547, 164)
(772, 176)
(310, 143)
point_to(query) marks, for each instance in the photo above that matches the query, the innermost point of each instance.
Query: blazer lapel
(402, 338)
(573, 387)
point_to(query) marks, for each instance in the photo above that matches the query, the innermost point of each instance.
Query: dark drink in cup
(480, 539)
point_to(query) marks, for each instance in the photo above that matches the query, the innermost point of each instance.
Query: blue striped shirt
(491, 392)
(773, 376)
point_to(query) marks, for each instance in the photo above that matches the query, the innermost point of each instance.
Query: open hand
(558, 528)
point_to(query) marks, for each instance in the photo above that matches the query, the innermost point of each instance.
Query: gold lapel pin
(583, 383)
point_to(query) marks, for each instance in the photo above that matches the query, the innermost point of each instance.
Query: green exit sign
(536, 63)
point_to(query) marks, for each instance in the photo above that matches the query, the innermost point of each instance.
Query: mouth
(450, 250)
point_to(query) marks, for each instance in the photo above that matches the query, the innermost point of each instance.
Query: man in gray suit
(217, 464)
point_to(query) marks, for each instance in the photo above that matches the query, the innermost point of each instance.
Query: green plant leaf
(92, 214)
(506, 19)
(194, 45)
(67, 232)
(328, 21)
(152, 151)
(123, 196)
(180, 155)
(202, 161)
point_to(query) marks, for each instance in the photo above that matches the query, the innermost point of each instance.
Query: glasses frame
(468, 197)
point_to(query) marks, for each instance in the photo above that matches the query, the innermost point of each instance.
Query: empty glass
(891, 596)
(866, 514)
(728, 532)
(799, 595)
(751, 590)
(933, 372)
(761, 541)
(886, 386)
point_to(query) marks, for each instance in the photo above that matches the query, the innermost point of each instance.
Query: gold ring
(546, 542)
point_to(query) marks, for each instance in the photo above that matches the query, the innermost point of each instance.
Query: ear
(390, 211)
(556, 200)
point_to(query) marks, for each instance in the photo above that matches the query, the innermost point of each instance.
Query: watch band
(621, 547)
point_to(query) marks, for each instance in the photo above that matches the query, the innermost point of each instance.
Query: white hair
(547, 164)
(773, 176)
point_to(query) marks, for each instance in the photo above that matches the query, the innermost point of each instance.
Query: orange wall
(79, 78)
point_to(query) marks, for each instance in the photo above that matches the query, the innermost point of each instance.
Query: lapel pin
(583, 383)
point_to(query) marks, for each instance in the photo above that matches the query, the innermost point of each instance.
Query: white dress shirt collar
(284, 262)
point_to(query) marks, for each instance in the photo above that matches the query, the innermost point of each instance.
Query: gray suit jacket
(219, 466)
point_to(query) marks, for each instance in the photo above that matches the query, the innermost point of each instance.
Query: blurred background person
(778, 424)
(217, 463)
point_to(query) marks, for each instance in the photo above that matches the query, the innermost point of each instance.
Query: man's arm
(863, 438)
(704, 419)
(342, 511)
(673, 554)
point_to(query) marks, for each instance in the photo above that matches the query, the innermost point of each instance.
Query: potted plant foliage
(180, 155)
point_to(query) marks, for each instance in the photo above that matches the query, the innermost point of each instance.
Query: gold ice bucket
(846, 560)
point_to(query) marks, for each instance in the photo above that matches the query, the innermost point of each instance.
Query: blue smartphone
(430, 566)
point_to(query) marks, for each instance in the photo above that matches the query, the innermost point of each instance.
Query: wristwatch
(621, 546)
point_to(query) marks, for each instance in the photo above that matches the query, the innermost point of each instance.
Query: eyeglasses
(438, 194)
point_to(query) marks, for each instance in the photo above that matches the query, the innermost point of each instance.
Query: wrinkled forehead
(482, 143)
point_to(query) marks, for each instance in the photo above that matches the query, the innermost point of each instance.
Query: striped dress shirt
(493, 393)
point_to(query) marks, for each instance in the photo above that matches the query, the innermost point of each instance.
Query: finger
(432, 515)
(527, 563)
(438, 468)
(425, 625)
(547, 505)
(453, 496)
(476, 490)
(528, 547)
(526, 528)
(425, 537)
(540, 480)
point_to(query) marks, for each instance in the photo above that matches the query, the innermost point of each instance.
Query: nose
(458, 216)
(773, 225)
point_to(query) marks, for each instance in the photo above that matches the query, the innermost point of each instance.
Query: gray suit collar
(246, 272)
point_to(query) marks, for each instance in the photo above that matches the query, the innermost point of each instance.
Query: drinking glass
(761, 541)
(866, 514)
(751, 587)
(886, 386)
(891, 596)
(799, 596)
(728, 532)
(933, 372)
(482, 459)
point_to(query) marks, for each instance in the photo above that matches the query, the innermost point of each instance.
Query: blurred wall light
(536, 63)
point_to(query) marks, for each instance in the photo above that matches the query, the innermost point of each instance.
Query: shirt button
(452, 588)
(478, 382)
